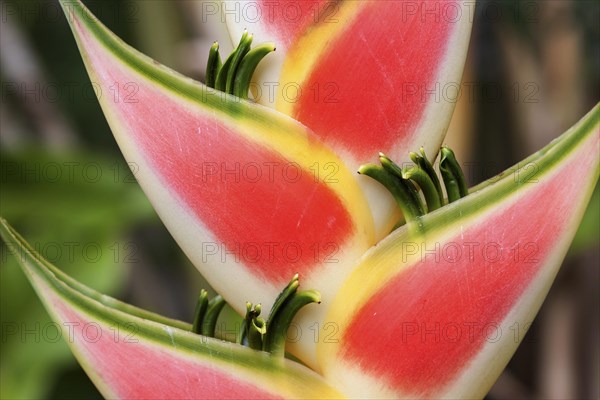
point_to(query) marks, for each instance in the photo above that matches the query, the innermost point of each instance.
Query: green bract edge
(94, 295)
(101, 309)
(566, 141)
(497, 189)
(178, 84)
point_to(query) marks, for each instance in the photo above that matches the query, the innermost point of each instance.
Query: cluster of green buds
(404, 183)
(257, 333)
(234, 75)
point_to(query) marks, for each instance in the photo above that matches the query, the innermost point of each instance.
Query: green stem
(284, 295)
(252, 311)
(212, 314)
(221, 81)
(451, 185)
(213, 65)
(239, 54)
(200, 311)
(396, 171)
(256, 332)
(247, 67)
(423, 162)
(278, 324)
(454, 179)
(449, 157)
(432, 196)
(410, 205)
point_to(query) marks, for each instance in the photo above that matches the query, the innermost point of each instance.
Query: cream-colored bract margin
(437, 114)
(479, 376)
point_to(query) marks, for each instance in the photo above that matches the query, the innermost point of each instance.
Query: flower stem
(409, 203)
(454, 179)
(278, 324)
(247, 67)
(427, 186)
(238, 55)
(423, 162)
(256, 333)
(212, 314)
(252, 312)
(200, 311)
(213, 65)
(234, 75)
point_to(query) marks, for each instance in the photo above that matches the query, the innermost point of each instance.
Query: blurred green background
(533, 69)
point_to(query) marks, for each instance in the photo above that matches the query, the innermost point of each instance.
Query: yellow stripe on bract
(306, 52)
(316, 160)
(373, 272)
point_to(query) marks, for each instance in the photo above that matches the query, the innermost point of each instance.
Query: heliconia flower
(254, 197)
(364, 76)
